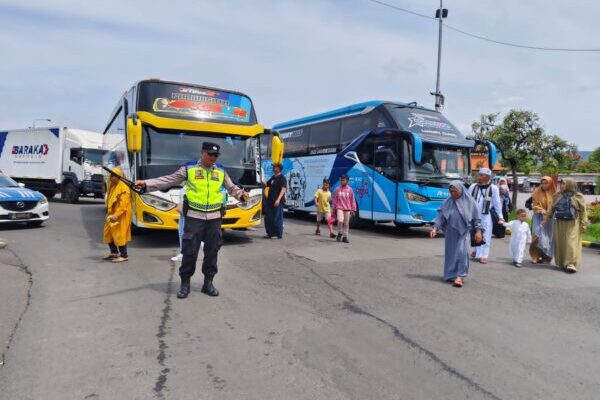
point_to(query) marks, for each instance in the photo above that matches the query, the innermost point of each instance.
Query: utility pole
(440, 14)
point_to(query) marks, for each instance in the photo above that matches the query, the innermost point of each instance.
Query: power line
(475, 36)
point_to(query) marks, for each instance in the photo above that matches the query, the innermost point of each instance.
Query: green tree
(524, 144)
(519, 137)
(595, 156)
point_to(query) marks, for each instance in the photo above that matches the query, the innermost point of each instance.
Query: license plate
(19, 215)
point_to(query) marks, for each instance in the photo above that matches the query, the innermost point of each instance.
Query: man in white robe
(487, 197)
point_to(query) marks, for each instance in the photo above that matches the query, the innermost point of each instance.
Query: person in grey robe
(458, 216)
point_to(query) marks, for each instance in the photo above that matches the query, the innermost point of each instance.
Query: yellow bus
(158, 126)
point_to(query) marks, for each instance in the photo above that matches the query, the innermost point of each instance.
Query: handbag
(474, 242)
(331, 220)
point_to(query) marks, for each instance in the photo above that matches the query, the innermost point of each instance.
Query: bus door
(376, 189)
(386, 173)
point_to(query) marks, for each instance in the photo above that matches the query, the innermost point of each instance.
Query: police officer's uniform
(202, 210)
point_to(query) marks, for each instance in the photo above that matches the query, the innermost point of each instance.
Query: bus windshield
(164, 151)
(438, 163)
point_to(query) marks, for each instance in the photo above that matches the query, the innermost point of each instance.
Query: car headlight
(417, 198)
(157, 202)
(44, 200)
(252, 201)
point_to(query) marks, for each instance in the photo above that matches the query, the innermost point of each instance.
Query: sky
(71, 60)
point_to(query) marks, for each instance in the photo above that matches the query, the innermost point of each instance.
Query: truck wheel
(70, 193)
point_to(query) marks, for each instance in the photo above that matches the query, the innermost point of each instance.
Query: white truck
(57, 159)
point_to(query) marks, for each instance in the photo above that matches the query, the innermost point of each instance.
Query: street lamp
(40, 119)
(440, 14)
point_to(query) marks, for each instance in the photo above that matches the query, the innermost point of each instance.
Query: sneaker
(518, 264)
(345, 239)
(332, 235)
(177, 258)
(338, 237)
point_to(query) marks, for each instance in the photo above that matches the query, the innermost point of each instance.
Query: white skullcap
(485, 171)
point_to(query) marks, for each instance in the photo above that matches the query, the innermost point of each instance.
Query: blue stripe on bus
(330, 114)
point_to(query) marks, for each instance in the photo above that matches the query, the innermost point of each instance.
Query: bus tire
(70, 193)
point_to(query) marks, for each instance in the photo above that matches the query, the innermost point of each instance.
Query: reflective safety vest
(204, 187)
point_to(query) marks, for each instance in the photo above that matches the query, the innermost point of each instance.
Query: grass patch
(593, 233)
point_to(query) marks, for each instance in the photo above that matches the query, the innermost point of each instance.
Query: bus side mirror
(493, 154)
(351, 155)
(134, 134)
(276, 149)
(417, 149)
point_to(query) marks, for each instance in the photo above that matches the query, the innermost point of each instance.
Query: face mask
(504, 187)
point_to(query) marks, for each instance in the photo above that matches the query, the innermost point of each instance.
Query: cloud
(70, 61)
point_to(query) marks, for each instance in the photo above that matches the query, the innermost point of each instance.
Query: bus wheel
(403, 228)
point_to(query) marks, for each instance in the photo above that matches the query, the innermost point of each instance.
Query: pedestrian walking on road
(505, 198)
(542, 248)
(323, 205)
(344, 206)
(487, 197)
(568, 210)
(275, 200)
(519, 238)
(117, 224)
(460, 221)
(202, 211)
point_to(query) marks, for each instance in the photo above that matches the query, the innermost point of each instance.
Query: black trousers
(122, 250)
(196, 231)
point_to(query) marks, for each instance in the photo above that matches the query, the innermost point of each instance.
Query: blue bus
(399, 157)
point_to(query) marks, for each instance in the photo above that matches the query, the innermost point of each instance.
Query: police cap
(211, 148)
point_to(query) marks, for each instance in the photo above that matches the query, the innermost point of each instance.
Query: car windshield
(164, 151)
(438, 163)
(93, 156)
(5, 181)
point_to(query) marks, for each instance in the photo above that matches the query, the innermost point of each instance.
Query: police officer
(202, 206)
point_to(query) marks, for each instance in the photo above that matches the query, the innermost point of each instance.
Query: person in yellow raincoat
(117, 225)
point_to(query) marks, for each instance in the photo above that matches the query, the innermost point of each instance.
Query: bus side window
(296, 141)
(265, 146)
(352, 127)
(324, 137)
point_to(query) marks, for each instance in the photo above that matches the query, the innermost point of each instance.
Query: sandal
(318, 233)
(119, 259)
(266, 237)
(458, 282)
(483, 260)
(110, 257)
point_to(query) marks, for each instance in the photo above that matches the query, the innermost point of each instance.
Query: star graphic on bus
(416, 120)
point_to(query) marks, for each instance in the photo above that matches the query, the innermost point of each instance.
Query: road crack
(163, 329)
(13, 332)
(350, 305)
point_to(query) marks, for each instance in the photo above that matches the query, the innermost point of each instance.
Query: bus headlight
(157, 202)
(252, 202)
(417, 198)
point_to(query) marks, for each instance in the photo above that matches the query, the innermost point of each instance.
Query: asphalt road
(298, 318)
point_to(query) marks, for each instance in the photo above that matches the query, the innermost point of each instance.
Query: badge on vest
(199, 174)
(214, 176)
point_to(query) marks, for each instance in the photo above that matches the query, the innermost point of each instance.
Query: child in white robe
(520, 237)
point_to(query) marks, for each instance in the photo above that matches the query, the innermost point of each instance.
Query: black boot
(208, 287)
(185, 288)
